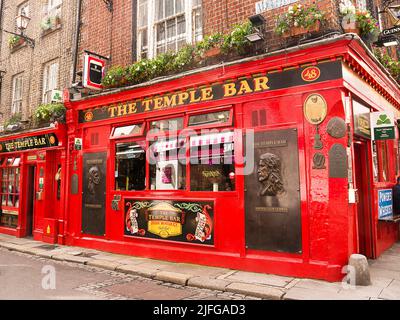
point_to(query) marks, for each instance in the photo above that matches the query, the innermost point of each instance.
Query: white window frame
(53, 8)
(152, 22)
(50, 80)
(17, 93)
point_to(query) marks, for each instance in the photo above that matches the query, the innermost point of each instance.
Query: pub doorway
(30, 208)
(363, 186)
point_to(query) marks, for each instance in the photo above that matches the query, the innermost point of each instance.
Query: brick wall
(56, 45)
(107, 33)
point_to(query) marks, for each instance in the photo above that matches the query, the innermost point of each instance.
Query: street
(23, 276)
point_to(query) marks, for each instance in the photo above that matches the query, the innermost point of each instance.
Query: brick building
(32, 72)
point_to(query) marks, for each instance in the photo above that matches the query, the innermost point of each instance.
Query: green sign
(384, 133)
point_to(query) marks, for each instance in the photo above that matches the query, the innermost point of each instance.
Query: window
(131, 130)
(50, 80)
(54, 7)
(167, 125)
(130, 166)
(10, 183)
(166, 25)
(168, 165)
(17, 88)
(213, 118)
(212, 162)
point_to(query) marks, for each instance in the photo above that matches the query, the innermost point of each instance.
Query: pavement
(385, 274)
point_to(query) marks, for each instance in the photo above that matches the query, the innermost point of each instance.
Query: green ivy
(50, 112)
(393, 66)
(187, 57)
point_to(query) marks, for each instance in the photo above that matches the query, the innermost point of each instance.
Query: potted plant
(14, 122)
(369, 27)
(299, 20)
(349, 18)
(237, 42)
(210, 46)
(15, 41)
(49, 113)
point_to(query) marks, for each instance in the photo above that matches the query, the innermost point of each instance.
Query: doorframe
(30, 200)
(368, 199)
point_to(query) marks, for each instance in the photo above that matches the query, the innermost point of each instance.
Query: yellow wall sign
(315, 109)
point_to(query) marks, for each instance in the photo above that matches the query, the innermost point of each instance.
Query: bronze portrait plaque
(336, 128)
(315, 108)
(338, 161)
(319, 161)
(272, 197)
(94, 193)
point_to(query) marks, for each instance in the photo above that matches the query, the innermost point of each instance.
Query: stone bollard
(361, 270)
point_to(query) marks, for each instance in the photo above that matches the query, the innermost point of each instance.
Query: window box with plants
(359, 22)
(14, 123)
(50, 23)
(15, 42)
(46, 114)
(300, 20)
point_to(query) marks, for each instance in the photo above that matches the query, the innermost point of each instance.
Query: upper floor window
(17, 87)
(54, 6)
(166, 25)
(50, 80)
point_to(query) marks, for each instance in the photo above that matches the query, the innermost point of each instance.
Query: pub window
(167, 125)
(130, 166)
(168, 164)
(130, 130)
(10, 177)
(212, 118)
(212, 162)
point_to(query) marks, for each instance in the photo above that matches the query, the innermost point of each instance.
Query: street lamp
(22, 22)
(258, 23)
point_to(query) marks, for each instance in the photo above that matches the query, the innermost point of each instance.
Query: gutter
(76, 44)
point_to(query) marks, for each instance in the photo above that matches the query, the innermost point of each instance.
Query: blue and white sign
(385, 204)
(265, 5)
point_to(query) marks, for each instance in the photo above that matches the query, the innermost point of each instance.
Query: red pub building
(264, 164)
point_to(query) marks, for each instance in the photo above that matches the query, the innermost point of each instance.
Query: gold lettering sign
(315, 109)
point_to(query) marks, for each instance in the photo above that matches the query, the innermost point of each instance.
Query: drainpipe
(77, 34)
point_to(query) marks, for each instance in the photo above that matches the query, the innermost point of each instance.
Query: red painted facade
(330, 226)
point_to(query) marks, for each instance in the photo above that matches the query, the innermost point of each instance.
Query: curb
(202, 282)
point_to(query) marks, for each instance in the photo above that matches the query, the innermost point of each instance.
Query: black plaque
(336, 128)
(272, 199)
(319, 161)
(337, 161)
(74, 184)
(182, 221)
(94, 193)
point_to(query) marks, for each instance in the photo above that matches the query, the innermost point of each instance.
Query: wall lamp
(258, 22)
(22, 23)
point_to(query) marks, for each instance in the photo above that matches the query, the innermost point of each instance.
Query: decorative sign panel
(28, 143)
(382, 124)
(338, 161)
(272, 197)
(182, 221)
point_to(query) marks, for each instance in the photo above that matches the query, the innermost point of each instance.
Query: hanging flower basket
(212, 52)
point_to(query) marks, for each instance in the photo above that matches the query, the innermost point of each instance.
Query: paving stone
(392, 292)
(311, 294)
(384, 273)
(174, 277)
(318, 285)
(76, 259)
(105, 264)
(198, 270)
(139, 270)
(255, 290)
(258, 278)
(11, 246)
(131, 261)
(209, 283)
